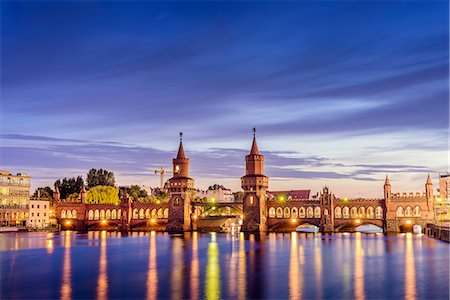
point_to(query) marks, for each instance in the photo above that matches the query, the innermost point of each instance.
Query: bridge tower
(255, 185)
(180, 187)
(327, 211)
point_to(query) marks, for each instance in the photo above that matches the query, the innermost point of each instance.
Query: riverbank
(439, 231)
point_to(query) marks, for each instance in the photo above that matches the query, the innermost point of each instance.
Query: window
(108, 214)
(102, 214)
(399, 212)
(38, 206)
(370, 213)
(294, 212)
(160, 213)
(32, 205)
(309, 212)
(251, 200)
(113, 214)
(141, 214)
(91, 215)
(317, 212)
(135, 213)
(147, 213)
(338, 212)
(32, 214)
(408, 211)
(379, 213)
(416, 211)
(279, 212)
(287, 212)
(362, 211)
(177, 169)
(45, 206)
(176, 201)
(166, 213)
(353, 212)
(45, 214)
(301, 212)
(272, 212)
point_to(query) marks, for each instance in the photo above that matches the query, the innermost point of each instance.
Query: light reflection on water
(106, 265)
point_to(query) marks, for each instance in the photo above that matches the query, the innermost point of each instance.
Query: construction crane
(161, 171)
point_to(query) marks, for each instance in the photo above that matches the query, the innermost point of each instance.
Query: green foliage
(68, 186)
(102, 195)
(74, 197)
(133, 191)
(100, 178)
(162, 196)
(215, 187)
(238, 196)
(43, 193)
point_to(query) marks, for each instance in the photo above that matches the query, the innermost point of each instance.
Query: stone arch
(362, 211)
(154, 213)
(102, 214)
(108, 214)
(141, 214)
(416, 211)
(74, 214)
(302, 212)
(353, 212)
(408, 212)
(325, 212)
(135, 213)
(287, 212)
(272, 212)
(96, 214)
(294, 212)
(69, 214)
(166, 213)
(399, 211)
(346, 212)
(337, 212)
(279, 212)
(370, 213)
(147, 213)
(309, 212)
(113, 214)
(90, 214)
(119, 214)
(317, 212)
(379, 212)
(63, 214)
(160, 213)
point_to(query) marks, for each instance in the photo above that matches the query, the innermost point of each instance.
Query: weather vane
(181, 136)
(254, 131)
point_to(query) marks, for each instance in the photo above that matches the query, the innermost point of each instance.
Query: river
(103, 265)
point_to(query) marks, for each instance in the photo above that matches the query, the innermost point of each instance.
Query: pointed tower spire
(429, 179)
(181, 154)
(387, 182)
(254, 150)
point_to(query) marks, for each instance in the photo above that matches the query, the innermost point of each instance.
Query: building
(219, 195)
(442, 203)
(14, 198)
(444, 186)
(39, 213)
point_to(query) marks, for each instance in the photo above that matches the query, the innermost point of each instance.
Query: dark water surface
(298, 265)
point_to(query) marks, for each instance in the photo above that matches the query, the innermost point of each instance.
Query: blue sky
(341, 92)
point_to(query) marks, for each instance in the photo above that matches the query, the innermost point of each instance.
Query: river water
(103, 265)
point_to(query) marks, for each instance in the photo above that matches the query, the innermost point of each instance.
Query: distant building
(14, 198)
(444, 186)
(39, 213)
(288, 195)
(216, 195)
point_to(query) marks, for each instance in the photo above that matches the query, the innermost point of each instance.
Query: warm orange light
(68, 222)
(103, 222)
(293, 220)
(408, 222)
(153, 221)
(195, 217)
(358, 221)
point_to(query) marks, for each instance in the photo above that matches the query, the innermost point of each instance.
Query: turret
(429, 188)
(254, 161)
(56, 194)
(181, 163)
(387, 189)
(83, 194)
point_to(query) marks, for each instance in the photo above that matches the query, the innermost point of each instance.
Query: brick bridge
(261, 210)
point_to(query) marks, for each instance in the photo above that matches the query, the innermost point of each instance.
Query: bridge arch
(102, 214)
(337, 212)
(379, 212)
(113, 214)
(353, 212)
(135, 214)
(69, 214)
(287, 212)
(141, 214)
(346, 212)
(317, 212)
(416, 212)
(166, 213)
(63, 214)
(408, 211)
(302, 212)
(90, 214)
(309, 212)
(399, 211)
(108, 214)
(294, 212)
(147, 213)
(74, 214)
(279, 212)
(272, 212)
(154, 213)
(160, 213)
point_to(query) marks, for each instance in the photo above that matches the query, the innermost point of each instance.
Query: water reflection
(217, 266)
(359, 268)
(177, 269)
(295, 278)
(152, 274)
(102, 282)
(410, 272)
(66, 286)
(195, 268)
(212, 285)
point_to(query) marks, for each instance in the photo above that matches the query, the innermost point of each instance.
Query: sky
(341, 92)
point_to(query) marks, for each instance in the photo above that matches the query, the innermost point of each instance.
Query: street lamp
(293, 220)
(68, 222)
(358, 221)
(408, 222)
(153, 221)
(103, 222)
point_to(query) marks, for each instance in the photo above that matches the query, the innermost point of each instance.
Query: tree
(68, 186)
(238, 196)
(43, 193)
(100, 177)
(102, 194)
(215, 187)
(134, 191)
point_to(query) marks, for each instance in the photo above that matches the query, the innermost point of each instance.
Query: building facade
(39, 214)
(14, 198)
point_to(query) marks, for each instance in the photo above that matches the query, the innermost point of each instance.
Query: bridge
(260, 210)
